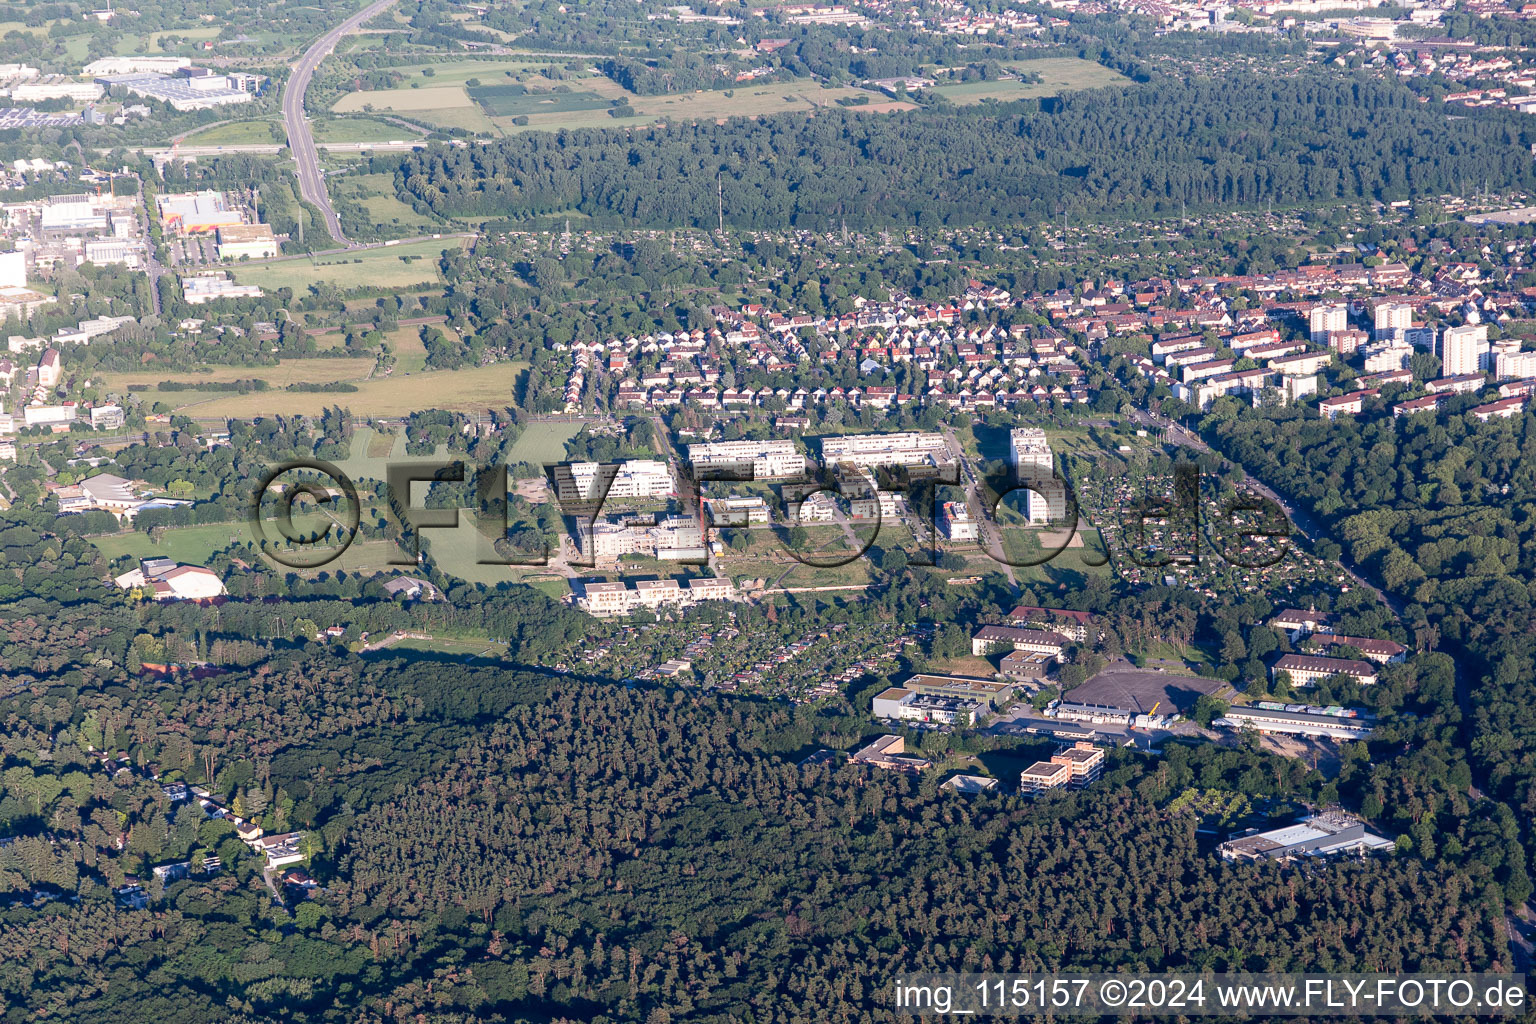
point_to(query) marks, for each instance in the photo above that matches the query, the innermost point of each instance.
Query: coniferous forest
(1239, 140)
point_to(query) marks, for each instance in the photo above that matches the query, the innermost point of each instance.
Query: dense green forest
(1214, 143)
(1443, 512)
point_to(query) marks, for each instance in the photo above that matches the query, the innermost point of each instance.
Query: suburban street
(301, 140)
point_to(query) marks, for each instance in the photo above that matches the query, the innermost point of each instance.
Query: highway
(301, 140)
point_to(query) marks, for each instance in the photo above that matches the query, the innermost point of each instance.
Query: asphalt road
(301, 139)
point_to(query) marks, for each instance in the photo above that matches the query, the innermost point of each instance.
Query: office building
(1029, 452)
(1464, 349)
(899, 704)
(959, 527)
(1077, 765)
(991, 639)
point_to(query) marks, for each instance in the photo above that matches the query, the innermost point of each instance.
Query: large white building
(13, 269)
(907, 448)
(605, 599)
(209, 287)
(1392, 317)
(1324, 319)
(1029, 452)
(770, 460)
(58, 89)
(134, 65)
(1509, 363)
(636, 478)
(1463, 349)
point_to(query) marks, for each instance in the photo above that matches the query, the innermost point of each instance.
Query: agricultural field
(512, 99)
(396, 266)
(449, 106)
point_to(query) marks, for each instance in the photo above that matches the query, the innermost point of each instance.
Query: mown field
(258, 132)
(395, 266)
(1059, 74)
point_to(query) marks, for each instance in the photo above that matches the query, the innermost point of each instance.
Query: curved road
(301, 140)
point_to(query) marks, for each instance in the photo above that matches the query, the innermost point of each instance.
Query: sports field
(395, 266)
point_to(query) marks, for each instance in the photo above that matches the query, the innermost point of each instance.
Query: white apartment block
(1029, 451)
(868, 450)
(605, 599)
(1392, 317)
(1324, 319)
(1509, 363)
(1463, 349)
(770, 460)
(635, 478)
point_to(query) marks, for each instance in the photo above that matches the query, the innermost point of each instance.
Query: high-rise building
(1393, 316)
(1029, 451)
(1464, 350)
(1325, 319)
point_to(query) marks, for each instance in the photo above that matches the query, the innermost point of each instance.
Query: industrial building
(189, 88)
(210, 287)
(196, 212)
(1299, 720)
(1316, 836)
(250, 241)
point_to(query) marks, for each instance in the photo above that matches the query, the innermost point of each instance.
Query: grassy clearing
(191, 544)
(361, 129)
(543, 442)
(395, 266)
(289, 371)
(238, 133)
(469, 390)
(376, 194)
(1060, 74)
(742, 101)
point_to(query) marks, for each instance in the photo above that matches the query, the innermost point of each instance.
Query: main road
(301, 140)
